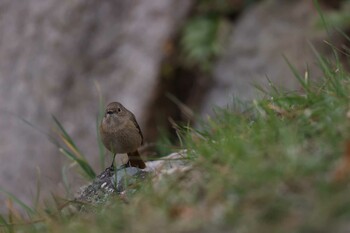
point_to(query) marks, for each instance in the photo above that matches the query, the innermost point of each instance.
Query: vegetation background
(275, 159)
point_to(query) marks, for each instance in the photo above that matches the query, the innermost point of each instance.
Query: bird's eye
(119, 110)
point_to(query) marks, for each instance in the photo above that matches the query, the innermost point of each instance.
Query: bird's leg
(112, 165)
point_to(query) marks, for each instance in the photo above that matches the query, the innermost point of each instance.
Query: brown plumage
(120, 133)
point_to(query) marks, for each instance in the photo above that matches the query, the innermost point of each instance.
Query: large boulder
(260, 38)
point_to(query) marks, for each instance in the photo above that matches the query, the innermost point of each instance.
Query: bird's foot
(124, 166)
(110, 168)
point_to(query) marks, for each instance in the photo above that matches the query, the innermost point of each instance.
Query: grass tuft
(73, 152)
(279, 164)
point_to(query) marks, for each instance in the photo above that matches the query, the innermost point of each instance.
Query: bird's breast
(123, 140)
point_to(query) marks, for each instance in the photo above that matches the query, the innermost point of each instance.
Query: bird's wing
(138, 127)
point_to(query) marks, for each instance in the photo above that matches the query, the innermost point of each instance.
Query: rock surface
(259, 39)
(111, 182)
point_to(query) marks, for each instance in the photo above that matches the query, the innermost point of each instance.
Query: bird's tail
(135, 160)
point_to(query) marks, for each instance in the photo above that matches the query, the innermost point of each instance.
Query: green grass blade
(87, 168)
(68, 154)
(66, 135)
(49, 137)
(73, 153)
(260, 88)
(330, 76)
(4, 224)
(324, 22)
(273, 87)
(300, 79)
(320, 13)
(25, 207)
(65, 181)
(84, 165)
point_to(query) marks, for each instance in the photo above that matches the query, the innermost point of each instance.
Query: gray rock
(123, 182)
(110, 182)
(259, 39)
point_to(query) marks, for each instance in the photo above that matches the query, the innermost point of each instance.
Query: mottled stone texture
(125, 180)
(51, 54)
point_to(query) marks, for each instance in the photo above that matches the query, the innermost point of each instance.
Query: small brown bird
(121, 133)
